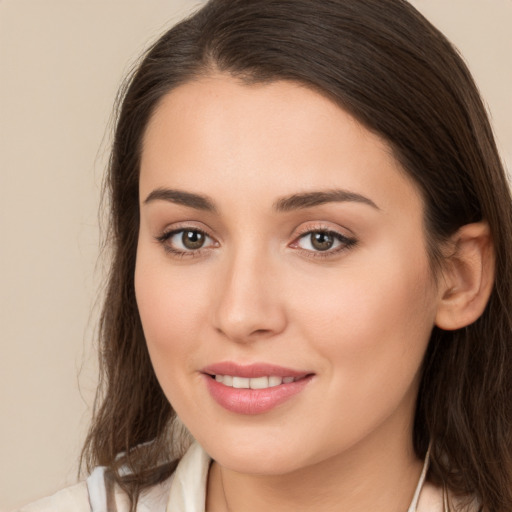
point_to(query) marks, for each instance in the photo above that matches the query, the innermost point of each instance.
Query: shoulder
(70, 499)
(96, 495)
(434, 499)
(184, 489)
(105, 495)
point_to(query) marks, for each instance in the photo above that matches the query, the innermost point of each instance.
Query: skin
(358, 318)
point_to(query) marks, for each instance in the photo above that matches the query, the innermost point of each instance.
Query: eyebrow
(310, 199)
(199, 202)
(298, 201)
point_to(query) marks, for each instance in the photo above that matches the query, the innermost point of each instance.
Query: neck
(371, 476)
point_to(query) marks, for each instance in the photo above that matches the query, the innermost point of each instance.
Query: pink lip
(253, 401)
(252, 370)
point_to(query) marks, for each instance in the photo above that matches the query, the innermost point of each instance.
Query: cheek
(371, 320)
(371, 330)
(172, 309)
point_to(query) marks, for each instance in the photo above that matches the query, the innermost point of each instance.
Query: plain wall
(61, 62)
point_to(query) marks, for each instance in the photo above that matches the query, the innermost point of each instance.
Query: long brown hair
(381, 61)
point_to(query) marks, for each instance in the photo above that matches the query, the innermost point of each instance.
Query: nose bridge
(248, 305)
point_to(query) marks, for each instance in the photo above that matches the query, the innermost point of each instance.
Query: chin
(261, 456)
(259, 463)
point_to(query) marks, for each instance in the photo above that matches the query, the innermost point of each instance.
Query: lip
(253, 370)
(253, 401)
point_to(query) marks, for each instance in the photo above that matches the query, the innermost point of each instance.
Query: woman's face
(281, 248)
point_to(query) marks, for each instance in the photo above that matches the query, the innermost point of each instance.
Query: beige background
(61, 62)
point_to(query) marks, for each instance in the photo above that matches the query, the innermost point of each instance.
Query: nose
(249, 305)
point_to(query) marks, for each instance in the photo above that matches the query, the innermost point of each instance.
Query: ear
(468, 277)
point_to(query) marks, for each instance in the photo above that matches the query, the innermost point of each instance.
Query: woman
(310, 224)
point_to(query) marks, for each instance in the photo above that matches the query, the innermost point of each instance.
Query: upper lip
(253, 370)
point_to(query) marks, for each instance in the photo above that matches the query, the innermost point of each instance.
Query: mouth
(255, 388)
(264, 382)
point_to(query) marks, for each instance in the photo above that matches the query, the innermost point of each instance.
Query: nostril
(261, 331)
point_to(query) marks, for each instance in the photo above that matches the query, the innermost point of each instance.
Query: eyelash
(345, 242)
(164, 238)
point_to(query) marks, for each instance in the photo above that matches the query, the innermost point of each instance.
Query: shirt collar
(189, 483)
(188, 487)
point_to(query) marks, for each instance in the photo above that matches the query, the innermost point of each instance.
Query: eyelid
(324, 227)
(168, 233)
(347, 241)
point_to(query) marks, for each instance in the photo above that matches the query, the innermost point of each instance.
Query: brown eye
(192, 240)
(186, 241)
(322, 241)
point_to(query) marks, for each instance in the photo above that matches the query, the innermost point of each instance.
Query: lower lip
(253, 401)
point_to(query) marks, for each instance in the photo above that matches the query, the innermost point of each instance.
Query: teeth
(241, 382)
(254, 383)
(274, 381)
(259, 383)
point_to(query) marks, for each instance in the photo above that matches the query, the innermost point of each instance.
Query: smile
(254, 388)
(254, 383)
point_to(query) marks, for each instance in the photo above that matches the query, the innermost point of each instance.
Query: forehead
(279, 137)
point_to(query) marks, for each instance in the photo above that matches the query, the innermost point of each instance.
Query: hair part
(385, 64)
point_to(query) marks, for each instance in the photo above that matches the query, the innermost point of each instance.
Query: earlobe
(468, 277)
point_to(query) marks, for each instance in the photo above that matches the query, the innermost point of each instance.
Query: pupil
(193, 239)
(322, 241)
